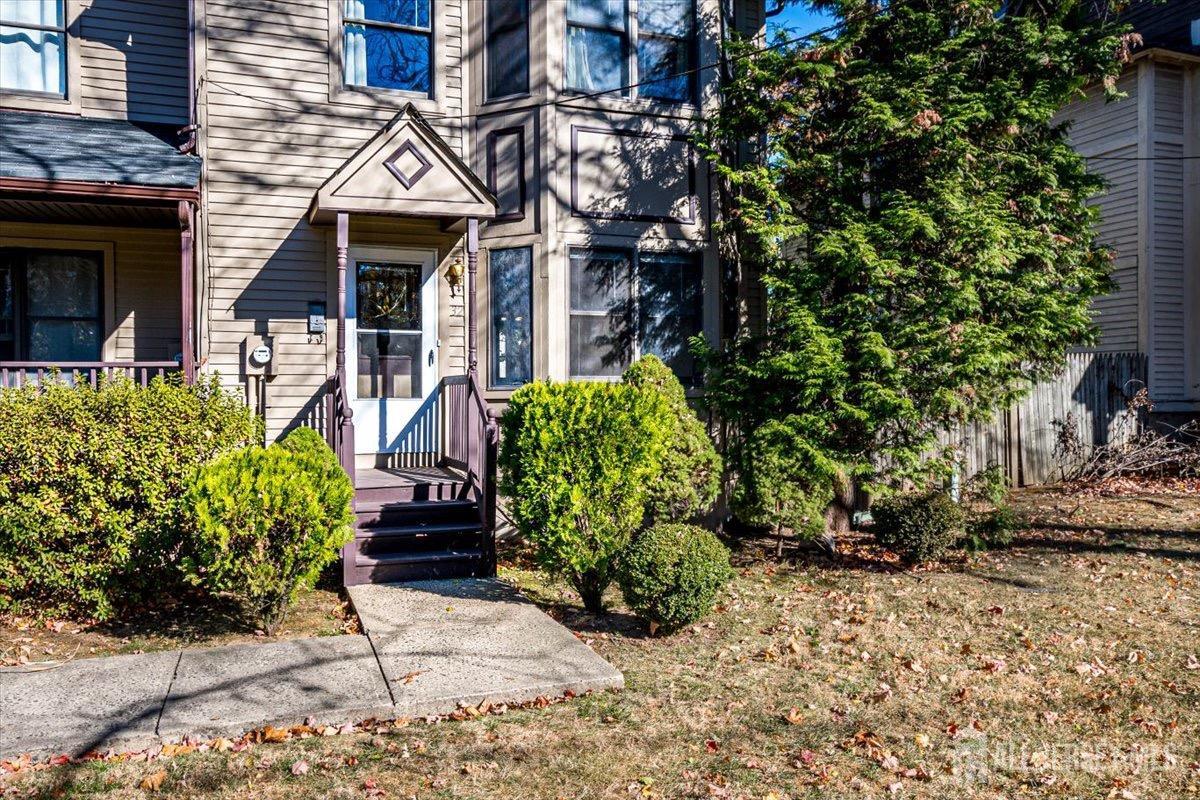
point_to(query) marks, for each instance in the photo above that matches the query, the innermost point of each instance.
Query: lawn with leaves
(1065, 667)
(189, 621)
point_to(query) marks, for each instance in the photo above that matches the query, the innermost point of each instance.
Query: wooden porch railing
(340, 423)
(23, 373)
(471, 433)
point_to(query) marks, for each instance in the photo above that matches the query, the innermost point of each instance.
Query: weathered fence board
(1092, 390)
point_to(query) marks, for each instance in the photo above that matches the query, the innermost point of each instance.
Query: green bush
(576, 461)
(990, 522)
(91, 487)
(691, 468)
(786, 484)
(670, 574)
(267, 521)
(919, 526)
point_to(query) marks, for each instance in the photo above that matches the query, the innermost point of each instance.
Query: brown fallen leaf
(153, 782)
(794, 716)
(300, 767)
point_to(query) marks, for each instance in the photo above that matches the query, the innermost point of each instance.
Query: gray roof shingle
(47, 147)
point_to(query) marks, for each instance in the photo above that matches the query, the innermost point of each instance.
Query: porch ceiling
(24, 209)
(406, 169)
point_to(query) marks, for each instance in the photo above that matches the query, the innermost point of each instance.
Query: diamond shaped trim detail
(408, 181)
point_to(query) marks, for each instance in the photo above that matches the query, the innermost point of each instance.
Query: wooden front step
(413, 524)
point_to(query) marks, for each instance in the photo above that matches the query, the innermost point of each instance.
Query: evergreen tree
(918, 219)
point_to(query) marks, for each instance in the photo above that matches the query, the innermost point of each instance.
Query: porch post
(472, 278)
(187, 250)
(343, 250)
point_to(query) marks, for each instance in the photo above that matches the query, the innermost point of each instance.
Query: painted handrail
(21, 373)
(340, 423)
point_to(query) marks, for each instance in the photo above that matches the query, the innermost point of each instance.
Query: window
(388, 44)
(598, 49)
(50, 305)
(33, 46)
(507, 48)
(597, 45)
(510, 281)
(625, 304)
(664, 51)
(388, 309)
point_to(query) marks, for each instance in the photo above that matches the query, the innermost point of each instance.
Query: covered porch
(408, 420)
(97, 222)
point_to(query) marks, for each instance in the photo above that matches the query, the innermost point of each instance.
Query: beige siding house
(1147, 147)
(374, 217)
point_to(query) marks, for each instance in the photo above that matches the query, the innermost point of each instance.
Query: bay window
(510, 282)
(388, 44)
(600, 57)
(628, 303)
(507, 47)
(33, 47)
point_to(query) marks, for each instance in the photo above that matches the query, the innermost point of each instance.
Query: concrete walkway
(428, 647)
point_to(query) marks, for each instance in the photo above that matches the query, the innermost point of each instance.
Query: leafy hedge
(671, 574)
(577, 460)
(267, 521)
(92, 484)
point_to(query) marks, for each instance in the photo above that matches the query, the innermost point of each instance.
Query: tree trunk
(591, 590)
(839, 513)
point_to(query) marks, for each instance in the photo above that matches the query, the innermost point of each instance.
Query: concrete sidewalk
(428, 647)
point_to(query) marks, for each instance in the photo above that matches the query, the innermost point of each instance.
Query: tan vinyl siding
(276, 126)
(141, 290)
(1166, 236)
(134, 59)
(1107, 132)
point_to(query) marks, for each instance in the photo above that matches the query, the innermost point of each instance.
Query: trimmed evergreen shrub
(691, 468)
(670, 574)
(918, 526)
(786, 483)
(576, 460)
(91, 487)
(266, 522)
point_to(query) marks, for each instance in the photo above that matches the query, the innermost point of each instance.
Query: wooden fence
(1092, 391)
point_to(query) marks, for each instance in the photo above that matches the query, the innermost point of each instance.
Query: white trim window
(510, 281)
(601, 58)
(388, 44)
(33, 47)
(627, 303)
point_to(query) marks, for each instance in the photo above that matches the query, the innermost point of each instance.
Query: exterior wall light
(454, 275)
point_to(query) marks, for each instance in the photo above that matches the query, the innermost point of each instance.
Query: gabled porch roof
(406, 169)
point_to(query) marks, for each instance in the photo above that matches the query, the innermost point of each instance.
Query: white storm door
(391, 322)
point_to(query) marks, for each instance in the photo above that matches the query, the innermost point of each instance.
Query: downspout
(189, 144)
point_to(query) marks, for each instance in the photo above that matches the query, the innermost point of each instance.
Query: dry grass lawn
(1065, 667)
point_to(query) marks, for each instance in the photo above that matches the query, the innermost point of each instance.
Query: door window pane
(388, 44)
(602, 312)
(389, 296)
(33, 55)
(507, 48)
(389, 364)
(510, 278)
(670, 308)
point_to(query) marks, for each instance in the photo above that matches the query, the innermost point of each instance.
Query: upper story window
(599, 56)
(507, 48)
(33, 46)
(388, 44)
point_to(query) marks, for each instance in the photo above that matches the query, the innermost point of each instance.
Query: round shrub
(670, 575)
(576, 461)
(267, 521)
(918, 526)
(92, 484)
(691, 468)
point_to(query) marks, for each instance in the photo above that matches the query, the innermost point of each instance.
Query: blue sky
(799, 19)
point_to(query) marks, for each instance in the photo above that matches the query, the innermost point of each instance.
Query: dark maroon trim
(187, 250)
(88, 189)
(408, 181)
(493, 138)
(690, 219)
